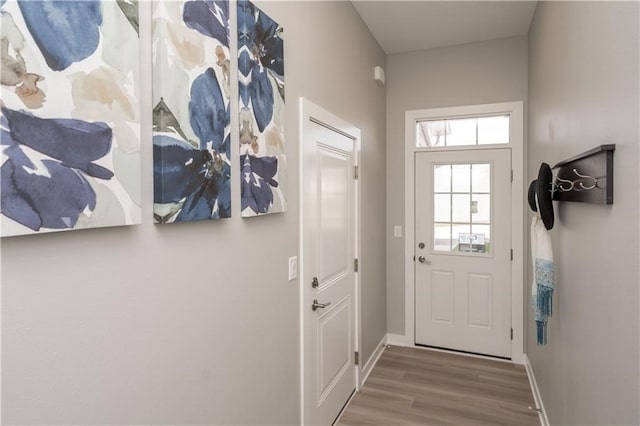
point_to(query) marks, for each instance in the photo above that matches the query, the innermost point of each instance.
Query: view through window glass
(486, 130)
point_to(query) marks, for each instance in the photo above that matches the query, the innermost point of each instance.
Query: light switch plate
(397, 231)
(293, 268)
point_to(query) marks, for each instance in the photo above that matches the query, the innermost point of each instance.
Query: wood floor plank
(411, 386)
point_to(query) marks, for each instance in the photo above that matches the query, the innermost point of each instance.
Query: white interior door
(463, 253)
(328, 273)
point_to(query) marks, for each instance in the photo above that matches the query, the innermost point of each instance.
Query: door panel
(442, 296)
(480, 303)
(334, 346)
(333, 181)
(463, 234)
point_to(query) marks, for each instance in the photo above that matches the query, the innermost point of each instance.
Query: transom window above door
(483, 130)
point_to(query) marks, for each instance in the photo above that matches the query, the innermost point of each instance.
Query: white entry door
(328, 211)
(463, 253)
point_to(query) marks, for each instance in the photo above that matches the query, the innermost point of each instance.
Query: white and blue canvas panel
(70, 123)
(191, 119)
(261, 91)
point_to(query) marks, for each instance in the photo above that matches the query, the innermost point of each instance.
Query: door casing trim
(518, 218)
(310, 112)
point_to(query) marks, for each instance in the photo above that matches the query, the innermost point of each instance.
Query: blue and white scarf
(543, 286)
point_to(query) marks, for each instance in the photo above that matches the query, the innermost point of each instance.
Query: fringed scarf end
(543, 299)
(541, 332)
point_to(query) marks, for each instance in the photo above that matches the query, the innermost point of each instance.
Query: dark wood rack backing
(587, 177)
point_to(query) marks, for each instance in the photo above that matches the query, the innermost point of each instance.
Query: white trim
(372, 361)
(516, 110)
(309, 110)
(358, 246)
(542, 414)
(399, 340)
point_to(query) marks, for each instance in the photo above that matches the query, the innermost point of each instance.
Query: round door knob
(424, 260)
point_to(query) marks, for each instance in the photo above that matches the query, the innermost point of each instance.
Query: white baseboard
(399, 340)
(373, 359)
(544, 420)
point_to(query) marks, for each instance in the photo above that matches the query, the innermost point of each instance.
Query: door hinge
(355, 172)
(512, 334)
(512, 255)
(355, 265)
(511, 175)
(356, 358)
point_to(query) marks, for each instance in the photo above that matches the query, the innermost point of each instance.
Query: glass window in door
(462, 208)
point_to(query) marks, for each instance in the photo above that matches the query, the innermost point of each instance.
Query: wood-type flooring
(411, 386)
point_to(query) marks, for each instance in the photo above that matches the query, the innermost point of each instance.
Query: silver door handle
(317, 305)
(422, 259)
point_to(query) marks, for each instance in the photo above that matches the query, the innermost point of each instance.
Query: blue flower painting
(261, 93)
(70, 115)
(191, 119)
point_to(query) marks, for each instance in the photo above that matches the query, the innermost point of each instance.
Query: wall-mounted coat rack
(586, 178)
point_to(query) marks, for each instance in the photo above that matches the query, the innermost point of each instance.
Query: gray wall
(477, 73)
(193, 322)
(583, 92)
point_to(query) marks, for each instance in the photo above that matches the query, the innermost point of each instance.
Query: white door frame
(310, 112)
(516, 111)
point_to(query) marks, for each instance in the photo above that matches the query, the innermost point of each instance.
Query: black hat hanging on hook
(531, 196)
(540, 195)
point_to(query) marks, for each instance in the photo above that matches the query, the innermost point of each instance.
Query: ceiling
(404, 26)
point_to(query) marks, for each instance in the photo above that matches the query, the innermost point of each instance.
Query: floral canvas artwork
(70, 122)
(261, 120)
(191, 119)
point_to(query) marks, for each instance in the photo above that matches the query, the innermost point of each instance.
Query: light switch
(397, 231)
(293, 268)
